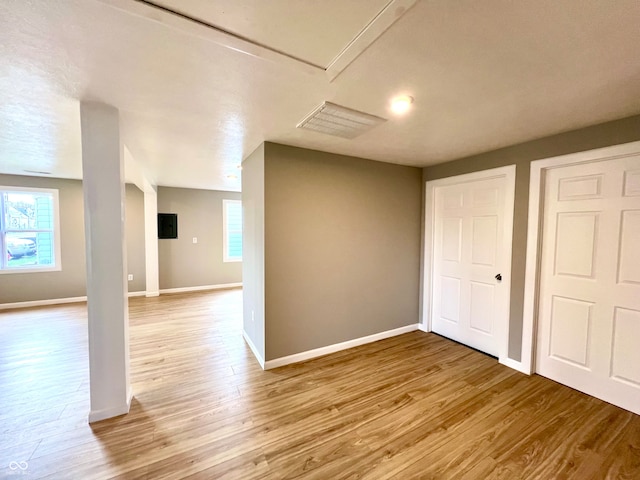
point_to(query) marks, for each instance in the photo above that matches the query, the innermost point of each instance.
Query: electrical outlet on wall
(130, 277)
(195, 239)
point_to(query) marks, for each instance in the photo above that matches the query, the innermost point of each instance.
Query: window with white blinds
(232, 230)
(29, 233)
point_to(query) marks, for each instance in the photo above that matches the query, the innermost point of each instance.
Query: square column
(151, 242)
(104, 212)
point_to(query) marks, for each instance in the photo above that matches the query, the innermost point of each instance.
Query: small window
(232, 230)
(29, 233)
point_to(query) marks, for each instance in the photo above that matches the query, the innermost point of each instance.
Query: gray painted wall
(253, 248)
(183, 263)
(134, 231)
(598, 136)
(342, 248)
(70, 281)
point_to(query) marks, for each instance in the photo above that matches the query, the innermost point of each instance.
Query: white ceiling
(483, 74)
(314, 31)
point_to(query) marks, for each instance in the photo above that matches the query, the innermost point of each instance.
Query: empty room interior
(377, 239)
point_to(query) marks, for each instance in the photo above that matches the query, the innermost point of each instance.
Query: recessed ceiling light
(400, 105)
(232, 177)
(239, 167)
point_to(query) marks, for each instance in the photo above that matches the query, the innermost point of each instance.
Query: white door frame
(534, 237)
(509, 173)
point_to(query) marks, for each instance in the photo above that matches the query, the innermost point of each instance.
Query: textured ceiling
(314, 31)
(483, 74)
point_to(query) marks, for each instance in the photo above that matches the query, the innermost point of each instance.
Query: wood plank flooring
(413, 406)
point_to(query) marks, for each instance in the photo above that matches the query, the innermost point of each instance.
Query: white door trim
(534, 239)
(509, 173)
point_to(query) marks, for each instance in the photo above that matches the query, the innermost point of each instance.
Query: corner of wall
(253, 320)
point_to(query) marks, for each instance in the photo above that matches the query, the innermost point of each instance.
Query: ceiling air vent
(340, 121)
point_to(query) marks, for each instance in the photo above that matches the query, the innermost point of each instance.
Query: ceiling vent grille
(333, 119)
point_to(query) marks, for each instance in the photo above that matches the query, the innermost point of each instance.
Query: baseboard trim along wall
(222, 286)
(39, 303)
(97, 415)
(253, 349)
(422, 327)
(515, 364)
(356, 342)
(58, 301)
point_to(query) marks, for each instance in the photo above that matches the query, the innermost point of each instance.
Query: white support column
(151, 242)
(104, 210)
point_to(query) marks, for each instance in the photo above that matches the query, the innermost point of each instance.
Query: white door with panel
(589, 297)
(471, 263)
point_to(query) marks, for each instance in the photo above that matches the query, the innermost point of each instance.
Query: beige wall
(611, 133)
(342, 248)
(183, 263)
(70, 281)
(134, 230)
(253, 248)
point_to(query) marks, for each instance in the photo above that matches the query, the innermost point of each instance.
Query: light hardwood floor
(413, 406)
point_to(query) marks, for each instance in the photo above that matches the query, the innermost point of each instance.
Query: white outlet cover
(130, 277)
(195, 239)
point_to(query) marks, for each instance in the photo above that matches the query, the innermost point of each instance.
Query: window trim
(225, 237)
(57, 257)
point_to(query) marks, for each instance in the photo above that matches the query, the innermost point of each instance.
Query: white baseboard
(318, 352)
(200, 288)
(97, 415)
(39, 303)
(508, 362)
(253, 348)
(422, 327)
(515, 364)
(59, 301)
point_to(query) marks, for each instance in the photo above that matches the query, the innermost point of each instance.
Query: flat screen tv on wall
(167, 225)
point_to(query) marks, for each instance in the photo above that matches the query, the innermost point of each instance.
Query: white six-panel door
(471, 245)
(589, 307)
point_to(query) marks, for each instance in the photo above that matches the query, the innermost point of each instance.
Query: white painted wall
(253, 252)
(151, 242)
